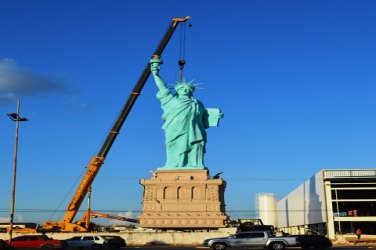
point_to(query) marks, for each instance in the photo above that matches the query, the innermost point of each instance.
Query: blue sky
(295, 80)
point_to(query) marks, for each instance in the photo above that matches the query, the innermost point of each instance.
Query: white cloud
(18, 218)
(120, 222)
(4, 219)
(19, 82)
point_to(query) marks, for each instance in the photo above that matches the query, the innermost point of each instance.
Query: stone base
(183, 199)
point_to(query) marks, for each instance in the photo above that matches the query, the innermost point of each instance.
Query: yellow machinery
(20, 227)
(67, 224)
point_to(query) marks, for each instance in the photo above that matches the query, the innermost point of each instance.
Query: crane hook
(181, 65)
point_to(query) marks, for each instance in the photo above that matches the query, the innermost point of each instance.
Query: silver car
(93, 242)
(251, 239)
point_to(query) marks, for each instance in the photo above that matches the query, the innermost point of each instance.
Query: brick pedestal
(183, 199)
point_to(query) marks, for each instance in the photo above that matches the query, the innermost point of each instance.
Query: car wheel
(277, 246)
(115, 246)
(219, 246)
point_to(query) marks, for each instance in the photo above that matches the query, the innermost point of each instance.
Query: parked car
(92, 241)
(114, 242)
(306, 241)
(260, 239)
(36, 241)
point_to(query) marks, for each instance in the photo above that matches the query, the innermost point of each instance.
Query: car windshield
(44, 237)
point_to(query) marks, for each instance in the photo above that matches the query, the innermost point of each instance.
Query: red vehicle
(37, 241)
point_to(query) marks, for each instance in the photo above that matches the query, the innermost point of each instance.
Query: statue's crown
(184, 84)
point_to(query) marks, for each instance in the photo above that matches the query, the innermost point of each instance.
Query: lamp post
(16, 118)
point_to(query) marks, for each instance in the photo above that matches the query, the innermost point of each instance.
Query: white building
(330, 202)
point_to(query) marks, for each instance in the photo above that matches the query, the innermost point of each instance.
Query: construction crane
(85, 220)
(93, 214)
(67, 224)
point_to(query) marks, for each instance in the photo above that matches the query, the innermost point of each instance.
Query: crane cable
(182, 61)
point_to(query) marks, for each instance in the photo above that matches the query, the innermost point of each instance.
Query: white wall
(304, 205)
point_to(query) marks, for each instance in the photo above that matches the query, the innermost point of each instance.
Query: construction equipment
(20, 227)
(83, 219)
(67, 224)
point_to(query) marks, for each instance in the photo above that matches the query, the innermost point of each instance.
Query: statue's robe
(185, 121)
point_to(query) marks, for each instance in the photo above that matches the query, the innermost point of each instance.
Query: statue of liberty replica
(185, 120)
(181, 194)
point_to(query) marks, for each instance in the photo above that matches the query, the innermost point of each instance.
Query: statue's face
(185, 91)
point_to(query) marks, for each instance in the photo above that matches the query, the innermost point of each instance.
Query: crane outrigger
(67, 224)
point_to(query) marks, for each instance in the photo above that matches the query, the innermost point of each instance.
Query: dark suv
(114, 242)
(311, 240)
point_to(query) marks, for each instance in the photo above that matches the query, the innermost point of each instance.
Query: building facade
(331, 202)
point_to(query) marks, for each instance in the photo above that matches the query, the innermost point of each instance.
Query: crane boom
(108, 216)
(97, 161)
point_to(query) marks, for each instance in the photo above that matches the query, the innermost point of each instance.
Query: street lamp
(16, 118)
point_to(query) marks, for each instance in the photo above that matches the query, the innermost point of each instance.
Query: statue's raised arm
(155, 68)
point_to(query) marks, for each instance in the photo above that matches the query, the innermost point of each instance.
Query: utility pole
(17, 119)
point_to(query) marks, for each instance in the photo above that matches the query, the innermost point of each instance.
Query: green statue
(185, 120)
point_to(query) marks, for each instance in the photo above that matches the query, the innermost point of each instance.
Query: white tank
(266, 206)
